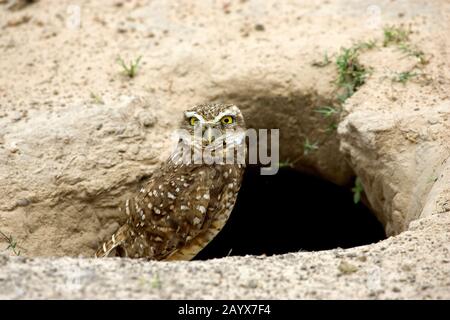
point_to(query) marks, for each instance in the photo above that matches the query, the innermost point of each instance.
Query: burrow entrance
(292, 211)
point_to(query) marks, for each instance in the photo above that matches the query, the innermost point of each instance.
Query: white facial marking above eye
(223, 114)
(190, 114)
(232, 111)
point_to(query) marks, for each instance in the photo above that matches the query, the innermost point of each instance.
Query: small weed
(285, 164)
(156, 282)
(370, 44)
(403, 77)
(357, 190)
(332, 127)
(413, 52)
(309, 147)
(96, 98)
(130, 70)
(320, 64)
(395, 35)
(351, 73)
(12, 244)
(327, 111)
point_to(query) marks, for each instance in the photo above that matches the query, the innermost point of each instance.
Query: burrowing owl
(189, 199)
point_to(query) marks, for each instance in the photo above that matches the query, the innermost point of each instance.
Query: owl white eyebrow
(223, 114)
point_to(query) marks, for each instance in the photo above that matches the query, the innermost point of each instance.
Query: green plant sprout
(357, 190)
(12, 244)
(332, 127)
(326, 61)
(285, 164)
(309, 147)
(156, 282)
(394, 35)
(403, 77)
(131, 69)
(413, 52)
(351, 73)
(370, 44)
(327, 111)
(96, 98)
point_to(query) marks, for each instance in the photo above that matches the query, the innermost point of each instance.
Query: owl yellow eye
(227, 120)
(193, 121)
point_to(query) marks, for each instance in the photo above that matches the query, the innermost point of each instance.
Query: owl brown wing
(170, 211)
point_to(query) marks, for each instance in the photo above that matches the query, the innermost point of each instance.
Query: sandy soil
(77, 136)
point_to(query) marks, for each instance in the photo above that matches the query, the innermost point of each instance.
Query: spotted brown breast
(177, 213)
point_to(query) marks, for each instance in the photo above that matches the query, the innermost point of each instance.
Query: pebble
(347, 268)
(259, 27)
(23, 202)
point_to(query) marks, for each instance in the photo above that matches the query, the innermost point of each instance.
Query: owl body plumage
(180, 209)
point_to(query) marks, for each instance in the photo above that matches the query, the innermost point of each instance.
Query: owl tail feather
(117, 239)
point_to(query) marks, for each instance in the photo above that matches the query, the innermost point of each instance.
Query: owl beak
(208, 134)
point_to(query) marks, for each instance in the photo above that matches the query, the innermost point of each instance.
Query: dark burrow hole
(289, 212)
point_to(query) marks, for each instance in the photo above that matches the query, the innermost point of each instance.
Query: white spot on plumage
(202, 209)
(170, 195)
(149, 205)
(157, 211)
(196, 221)
(206, 196)
(127, 207)
(183, 207)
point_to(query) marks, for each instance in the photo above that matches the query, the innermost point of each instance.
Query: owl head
(213, 124)
(211, 133)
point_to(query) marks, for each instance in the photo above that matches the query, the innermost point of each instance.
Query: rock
(259, 27)
(23, 202)
(346, 267)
